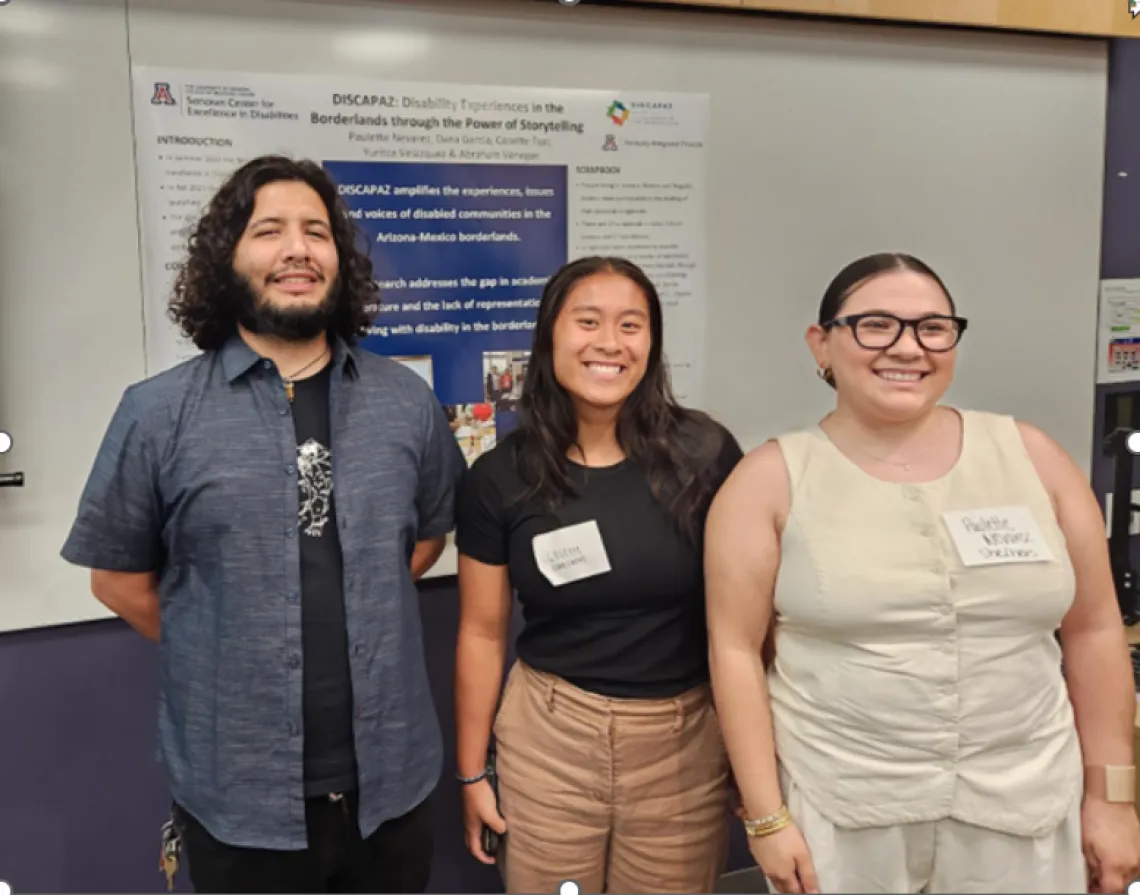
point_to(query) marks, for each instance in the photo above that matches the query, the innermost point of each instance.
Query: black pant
(396, 858)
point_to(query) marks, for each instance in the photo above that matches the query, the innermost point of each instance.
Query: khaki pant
(619, 795)
(938, 857)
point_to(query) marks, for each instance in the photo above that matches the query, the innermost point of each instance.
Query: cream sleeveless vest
(908, 686)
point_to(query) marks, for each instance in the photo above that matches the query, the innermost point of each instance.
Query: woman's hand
(1110, 838)
(478, 809)
(785, 860)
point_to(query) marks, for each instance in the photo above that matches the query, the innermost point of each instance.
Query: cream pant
(945, 856)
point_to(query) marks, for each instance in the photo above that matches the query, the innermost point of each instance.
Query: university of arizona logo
(164, 97)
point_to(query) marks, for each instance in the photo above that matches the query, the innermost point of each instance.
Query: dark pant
(396, 858)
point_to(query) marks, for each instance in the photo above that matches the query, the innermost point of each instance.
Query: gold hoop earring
(823, 373)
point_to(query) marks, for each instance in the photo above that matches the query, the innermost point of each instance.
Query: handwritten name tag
(571, 553)
(997, 535)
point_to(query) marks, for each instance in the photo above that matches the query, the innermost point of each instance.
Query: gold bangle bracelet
(766, 826)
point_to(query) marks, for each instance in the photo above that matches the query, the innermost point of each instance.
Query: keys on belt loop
(171, 850)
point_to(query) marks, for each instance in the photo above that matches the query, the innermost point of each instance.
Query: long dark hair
(676, 446)
(202, 304)
(860, 271)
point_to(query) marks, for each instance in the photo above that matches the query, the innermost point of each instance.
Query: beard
(260, 315)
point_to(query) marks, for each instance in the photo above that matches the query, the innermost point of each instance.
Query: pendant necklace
(289, 380)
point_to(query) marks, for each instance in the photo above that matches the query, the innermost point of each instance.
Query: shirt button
(294, 661)
(268, 364)
(294, 597)
(293, 729)
(288, 532)
(290, 469)
(283, 411)
(357, 650)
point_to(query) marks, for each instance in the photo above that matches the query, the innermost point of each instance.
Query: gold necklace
(289, 380)
(905, 467)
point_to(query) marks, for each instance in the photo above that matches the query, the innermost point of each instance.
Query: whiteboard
(982, 153)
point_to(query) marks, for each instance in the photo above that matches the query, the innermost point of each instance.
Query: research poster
(1118, 332)
(468, 196)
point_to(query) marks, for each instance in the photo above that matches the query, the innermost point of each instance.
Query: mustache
(295, 269)
(258, 313)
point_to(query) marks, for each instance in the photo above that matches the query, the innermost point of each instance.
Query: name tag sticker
(571, 553)
(997, 535)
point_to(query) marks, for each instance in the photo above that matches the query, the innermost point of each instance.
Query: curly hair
(202, 304)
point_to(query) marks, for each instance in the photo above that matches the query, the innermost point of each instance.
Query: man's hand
(133, 596)
(425, 555)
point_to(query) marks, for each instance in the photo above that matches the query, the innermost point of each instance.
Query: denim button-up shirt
(196, 480)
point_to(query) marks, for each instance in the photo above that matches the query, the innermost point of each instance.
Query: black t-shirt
(637, 631)
(330, 756)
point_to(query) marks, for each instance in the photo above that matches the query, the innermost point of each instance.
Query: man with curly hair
(263, 512)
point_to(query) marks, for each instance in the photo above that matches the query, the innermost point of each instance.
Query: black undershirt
(330, 755)
(637, 631)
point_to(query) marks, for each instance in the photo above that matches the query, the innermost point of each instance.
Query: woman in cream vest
(907, 566)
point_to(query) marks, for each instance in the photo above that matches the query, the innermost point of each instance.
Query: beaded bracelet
(466, 781)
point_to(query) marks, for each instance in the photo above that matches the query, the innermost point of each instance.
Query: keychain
(171, 847)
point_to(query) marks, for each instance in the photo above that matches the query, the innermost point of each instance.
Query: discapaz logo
(1134, 8)
(619, 114)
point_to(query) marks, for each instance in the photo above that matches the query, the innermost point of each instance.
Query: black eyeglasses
(878, 332)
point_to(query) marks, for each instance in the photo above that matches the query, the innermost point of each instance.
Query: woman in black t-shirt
(611, 771)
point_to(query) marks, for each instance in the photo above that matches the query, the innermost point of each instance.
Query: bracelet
(766, 826)
(466, 781)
